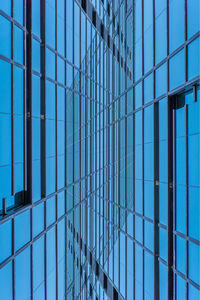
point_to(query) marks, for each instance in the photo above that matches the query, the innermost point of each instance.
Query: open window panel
(185, 116)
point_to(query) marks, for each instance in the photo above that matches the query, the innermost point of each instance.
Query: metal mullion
(171, 194)
(65, 192)
(80, 206)
(133, 20)
(126, 137)
(113, 160)
(28, 105)
(24, 102)
(185, 36)
(12, 107)
(143, 146)
(174, 196)
(186, 196)
(118, 231)
(73, 154)
(56, 146)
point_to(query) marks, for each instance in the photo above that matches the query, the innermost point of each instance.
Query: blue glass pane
(50, 175)
(163, 188)
(36, 17)
(6, 282)
(148, 88)
(193, 212)
(5, 87)
(38, 270)
(61, 259)
(35, 96)
(148, 161)
(61, 26)
(5, 240)
(61, 104)
(193, 17)
(50, 64)
(130, 269)
(5, 35)
(194, 164)
(36, 138)
(161, 80)
(193, 59)
(180, 287)
(19, 90)
(138, 229)
(6, 6)
(61, 204)
(149, 199)
(36, 183)
(148, 35)
(163, 282)
(51, 264)
(160, 30)
(50, 21)
(176, 70)
(50, 138)
(176, 24)
(5, 138)
(18, 44)
(194, 293)
(180, 254)
(38, 219)
(148, 278)
(194, 265)
(61, 70)
(36, 55)
(149, 235)
(138, 95)
(180, 208)
(139, 272)
(5, 182)
(50, 211)
(163, 243)
(19, 139)
(18, 11)
(23, 276)
(50, 100)
(22, 229)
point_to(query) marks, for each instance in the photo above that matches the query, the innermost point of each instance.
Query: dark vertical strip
(170, 198)
(73, 160)
(143, 269)
(43, 126)
(56, 133)
(25, 104)
(173, 138)
(133, 58)
(185, 47)
(12, 106)
(28, 104)
(65, 193)
(126, 213)
(186, 197)
(13, 253)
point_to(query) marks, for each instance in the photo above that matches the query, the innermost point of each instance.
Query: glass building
(99, 149)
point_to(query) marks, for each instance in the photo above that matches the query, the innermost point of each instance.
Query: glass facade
(99, 155)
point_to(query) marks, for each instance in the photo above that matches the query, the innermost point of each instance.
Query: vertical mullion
(73, 158)
(29, 123)
(174, 195)
(12, 105)
(170, 198)
(126, 214)
(133, 10)
(143, 145)
(56, 146)
(186, 196)
(65, 193)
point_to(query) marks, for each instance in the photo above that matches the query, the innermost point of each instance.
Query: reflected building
(99, 155)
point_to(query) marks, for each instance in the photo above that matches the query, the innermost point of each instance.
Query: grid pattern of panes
(94, 132)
